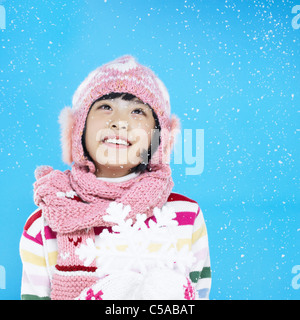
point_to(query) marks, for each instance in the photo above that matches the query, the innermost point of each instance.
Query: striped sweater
(38, 249)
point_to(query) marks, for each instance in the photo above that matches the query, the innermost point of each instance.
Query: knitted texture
(56, 193)
(69, 288)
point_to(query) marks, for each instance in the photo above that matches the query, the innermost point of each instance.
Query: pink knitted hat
(123, 75)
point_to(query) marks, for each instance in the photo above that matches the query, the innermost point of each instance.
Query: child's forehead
(124, 102)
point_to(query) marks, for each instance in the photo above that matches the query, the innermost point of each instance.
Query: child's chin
(117, 158)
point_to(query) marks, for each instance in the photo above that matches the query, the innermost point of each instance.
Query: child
(111, 228)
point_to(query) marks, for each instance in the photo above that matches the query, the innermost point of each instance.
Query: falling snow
(232, 69)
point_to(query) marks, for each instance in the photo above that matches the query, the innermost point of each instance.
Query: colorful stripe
(75, 268)
(38, 280)
(49, 233)
(37, 239)
(185, 218)
(36, 215)
(179, 197)
(196, 275)
(32, 258)
(33, 297)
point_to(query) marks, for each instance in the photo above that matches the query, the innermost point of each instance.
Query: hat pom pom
(41, 171)
(66, 121)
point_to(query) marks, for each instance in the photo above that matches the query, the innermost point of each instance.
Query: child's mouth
(116, 142)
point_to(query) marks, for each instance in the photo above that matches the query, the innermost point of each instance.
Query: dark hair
(155, 142)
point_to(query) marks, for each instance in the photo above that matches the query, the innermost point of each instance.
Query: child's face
(117, 132)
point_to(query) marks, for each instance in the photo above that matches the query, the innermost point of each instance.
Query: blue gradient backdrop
(232, 69)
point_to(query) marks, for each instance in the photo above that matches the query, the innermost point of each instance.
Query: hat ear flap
(66, 121)
(168, 138)
(174, 130)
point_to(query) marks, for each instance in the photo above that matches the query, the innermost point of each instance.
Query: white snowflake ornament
(136, 247)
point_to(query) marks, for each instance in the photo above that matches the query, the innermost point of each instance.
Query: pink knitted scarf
(75, 202)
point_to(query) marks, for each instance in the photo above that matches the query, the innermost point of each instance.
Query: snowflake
(68, 194)
(135, 246)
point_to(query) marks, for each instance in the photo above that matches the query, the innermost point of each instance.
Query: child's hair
(155, 142)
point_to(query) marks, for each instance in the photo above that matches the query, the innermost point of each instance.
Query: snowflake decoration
(68, 194)
(136, 246)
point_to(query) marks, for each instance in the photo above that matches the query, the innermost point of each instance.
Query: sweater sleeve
(200, 273)
(35, 278)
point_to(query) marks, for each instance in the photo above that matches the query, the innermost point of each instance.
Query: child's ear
(66, 121)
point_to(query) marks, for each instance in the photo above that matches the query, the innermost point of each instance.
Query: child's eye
(104, 107)
(138, 111)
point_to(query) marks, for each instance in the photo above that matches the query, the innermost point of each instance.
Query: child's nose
(119, 125)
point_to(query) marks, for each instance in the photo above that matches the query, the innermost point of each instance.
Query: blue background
(231, 68)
